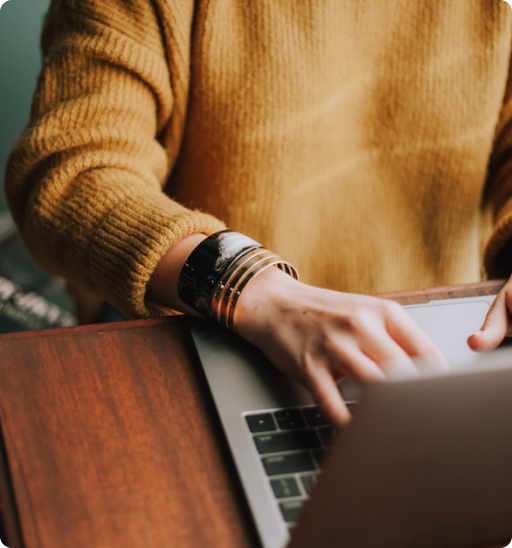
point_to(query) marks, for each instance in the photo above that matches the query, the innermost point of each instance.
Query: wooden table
(109, 439)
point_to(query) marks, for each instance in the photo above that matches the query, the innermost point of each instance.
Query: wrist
(216, 273)
(162, 288)
(263, 301)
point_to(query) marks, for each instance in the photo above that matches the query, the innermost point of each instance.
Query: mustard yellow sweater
(368, 142)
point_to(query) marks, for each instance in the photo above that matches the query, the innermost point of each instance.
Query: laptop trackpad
(448, 324)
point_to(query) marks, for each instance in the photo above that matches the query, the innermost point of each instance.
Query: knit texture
(367, 142)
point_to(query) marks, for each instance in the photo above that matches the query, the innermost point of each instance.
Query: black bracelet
(204, 267)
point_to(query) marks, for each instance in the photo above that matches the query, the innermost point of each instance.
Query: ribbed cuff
(498, 251)
(131, 241)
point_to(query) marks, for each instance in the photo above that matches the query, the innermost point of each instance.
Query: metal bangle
(219, 268)
(236, 278)
(206, 264)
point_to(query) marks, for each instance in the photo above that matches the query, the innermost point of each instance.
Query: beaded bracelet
(219, 268)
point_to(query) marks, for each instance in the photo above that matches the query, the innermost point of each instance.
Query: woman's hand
(315, 335)
(320, 336)
(498, 322)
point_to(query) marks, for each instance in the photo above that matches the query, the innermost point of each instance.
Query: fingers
(321, 380)
(394, 341)
(414, 342)
(327, 396)
(390, 357)
(496, 325)
(319, 336)
(346, 359)
(324, 371)
(385, 348)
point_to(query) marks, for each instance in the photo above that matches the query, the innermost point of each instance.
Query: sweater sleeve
(84, 182)
(498, 195)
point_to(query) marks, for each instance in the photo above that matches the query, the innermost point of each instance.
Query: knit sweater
(367, 142)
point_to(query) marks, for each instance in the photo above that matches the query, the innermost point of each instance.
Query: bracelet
(202, 269)
(219, 268)
(236, 278)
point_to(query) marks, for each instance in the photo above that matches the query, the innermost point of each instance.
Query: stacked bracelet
(219, 268)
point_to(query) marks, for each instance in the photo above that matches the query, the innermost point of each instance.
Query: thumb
(494, 328)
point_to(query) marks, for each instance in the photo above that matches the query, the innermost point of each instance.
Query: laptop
(425, 461)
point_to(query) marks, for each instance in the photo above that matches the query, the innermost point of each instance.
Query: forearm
(84, 183)
(162, 289)
(315, 335)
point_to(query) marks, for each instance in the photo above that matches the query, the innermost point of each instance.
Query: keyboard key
(291, 440)
(291, 509)
(288, 464)
(289, 419)
(263, 422)
(313, 417)
(285, 487)
(308, 482)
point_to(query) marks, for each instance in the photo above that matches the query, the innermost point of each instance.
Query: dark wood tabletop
(109, 439)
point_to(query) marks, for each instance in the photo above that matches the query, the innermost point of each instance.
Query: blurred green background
(30, 298)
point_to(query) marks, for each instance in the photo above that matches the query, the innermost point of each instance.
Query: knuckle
(359, 321)
(392, 311)
(330, 354)
(312, 361)
(392, 307)
(336, 353)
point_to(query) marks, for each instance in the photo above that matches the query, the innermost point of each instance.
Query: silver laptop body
(245, 385)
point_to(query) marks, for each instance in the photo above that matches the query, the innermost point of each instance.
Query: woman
(365, 142)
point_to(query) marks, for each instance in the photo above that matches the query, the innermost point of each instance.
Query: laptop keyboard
(291, 444)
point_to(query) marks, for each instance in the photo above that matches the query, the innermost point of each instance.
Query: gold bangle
(237, 276)
(230, 313)
(230, 278)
